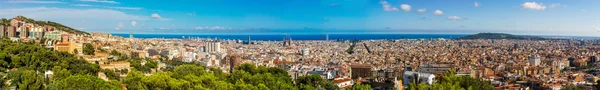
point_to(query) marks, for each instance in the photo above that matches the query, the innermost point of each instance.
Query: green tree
(359, 86)
(188, 69)
(134, 81)
(88, 49)
(151, 64)
(163, 80)
(571, 87)
(75, 51)
(86, 82)
(27, 79)
(111, 74)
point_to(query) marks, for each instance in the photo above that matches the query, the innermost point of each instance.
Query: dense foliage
(24, 64)
(29, 56)
(244, 77)
(88, 49)
(453, 82)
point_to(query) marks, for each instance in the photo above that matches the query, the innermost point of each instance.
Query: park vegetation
(24, 64)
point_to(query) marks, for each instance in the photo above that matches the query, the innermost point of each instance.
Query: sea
(271, 37)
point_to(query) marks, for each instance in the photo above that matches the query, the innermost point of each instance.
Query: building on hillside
(16, 23)
(62, 46)
(95, 58)
(116, 65)
(2, 31)
(24, 31)
(53, 35)
(37, 33)
(11, 31)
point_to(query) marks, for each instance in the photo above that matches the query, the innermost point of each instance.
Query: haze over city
(526, 17)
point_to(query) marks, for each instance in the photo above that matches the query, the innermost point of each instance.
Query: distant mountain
(502, 36)
(58, 26)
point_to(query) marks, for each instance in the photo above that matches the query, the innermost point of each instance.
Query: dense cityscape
(145, 63)
(299, 45)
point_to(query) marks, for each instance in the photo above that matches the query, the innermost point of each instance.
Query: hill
(502, 36)
(44, 23)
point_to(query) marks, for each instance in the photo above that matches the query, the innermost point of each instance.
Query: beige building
(116, 65)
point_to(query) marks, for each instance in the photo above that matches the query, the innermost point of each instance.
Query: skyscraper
(212, 47)
(249, 40)
(130, 35)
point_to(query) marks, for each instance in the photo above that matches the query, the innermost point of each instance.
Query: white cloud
(438, 12)
(477, 4)
(405, 7)
(386, 6)
(133, 23)
(82, 5)
(533, 6)
(456, 18)
(556, 5)
(34, 2)
(199, 28)
(192, 14)
(156, 16)
(421, 10)
(126, 8)
(109, 7)
(120, 25)
(101, 1)
(53, 13)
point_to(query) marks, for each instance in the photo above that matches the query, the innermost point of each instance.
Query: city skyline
(531, 17)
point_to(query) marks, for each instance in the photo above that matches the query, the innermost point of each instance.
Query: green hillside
(501, 36)
(58, 26)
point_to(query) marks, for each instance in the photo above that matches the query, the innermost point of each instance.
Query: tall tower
(327, 37)
(232, 60)
(249, 40)
(130, 35)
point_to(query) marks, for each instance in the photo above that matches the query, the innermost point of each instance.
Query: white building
(410, 77)
(534, 60)
(212, 47)
(343, 82)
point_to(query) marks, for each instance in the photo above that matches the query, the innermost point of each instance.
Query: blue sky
(535, 17)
